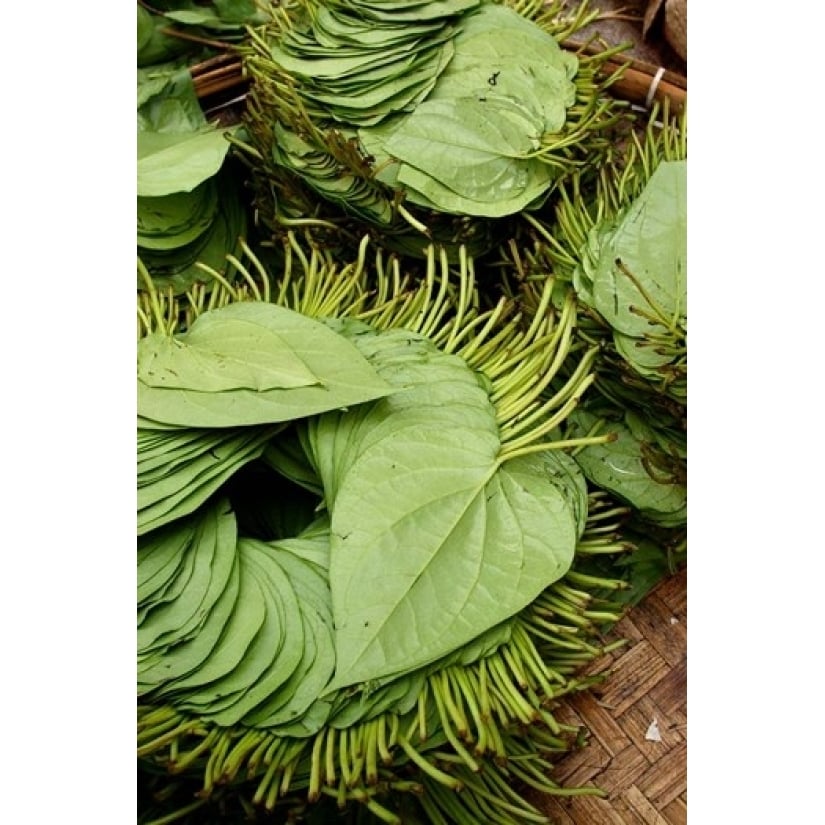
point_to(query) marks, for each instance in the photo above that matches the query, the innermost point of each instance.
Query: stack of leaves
(170, 28)
(189, 206)
(474, 146)
(420, 111)
(619, 239)
(633, 275)
(209, 403)
(407, 628)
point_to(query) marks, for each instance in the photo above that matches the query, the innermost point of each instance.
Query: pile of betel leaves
(412, 401)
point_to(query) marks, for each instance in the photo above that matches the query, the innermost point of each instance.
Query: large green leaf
(170, 162)
(643, 263)
(342, 375)
(436, 392)
(471, 146)
(446, 549)
(466, 155)
(500, 53)
(221, 353)
(166, 99)
(447, 542)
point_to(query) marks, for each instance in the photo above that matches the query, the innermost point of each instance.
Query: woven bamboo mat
(645, 693)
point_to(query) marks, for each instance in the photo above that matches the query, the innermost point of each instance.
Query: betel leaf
(472, 146)
(170, 222)
(167, 100)
(154, 44)
(144, 28)
(466, 155)
(166, 496)
(286, 456)
(221, 15)
(444, 556)
(447, 542)
(190, 654)
(237, 11)
(176, 268)
(621, 468)
(194, 17)
(342, 375)
(168, 591)
(500, 52)
(436, 392)
(242, 626)
(367, 701)
(159, 561)
(409, 12)
(222, 353)
(643, 263)
(213, 543)
(282, 599)
(566, 475)
(303, 688)
(170, 162)
(333, 30)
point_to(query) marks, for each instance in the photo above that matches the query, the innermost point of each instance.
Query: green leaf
(221, 353)
(173, 221)
(193, 17)
(447, 542)
(176, 487)
(400, 12)
(153, 46)
(236, 11)
(466, 155)
(650, 242)
(317, 662)
(471, 147)
(218, 672)
(145, 27)
(620, 468)
(343, 375)
(189, 655)
(499, 52)
(166, 99)
(160, 560)
(448, 555)
(180, 621)
(171, 162)
(174, 268)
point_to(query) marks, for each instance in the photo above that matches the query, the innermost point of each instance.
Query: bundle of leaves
(440, 117)
(619, 239)
(364, 552)
(190, 208)
(169, 29)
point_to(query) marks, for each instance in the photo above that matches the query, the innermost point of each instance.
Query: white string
(653, 86)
